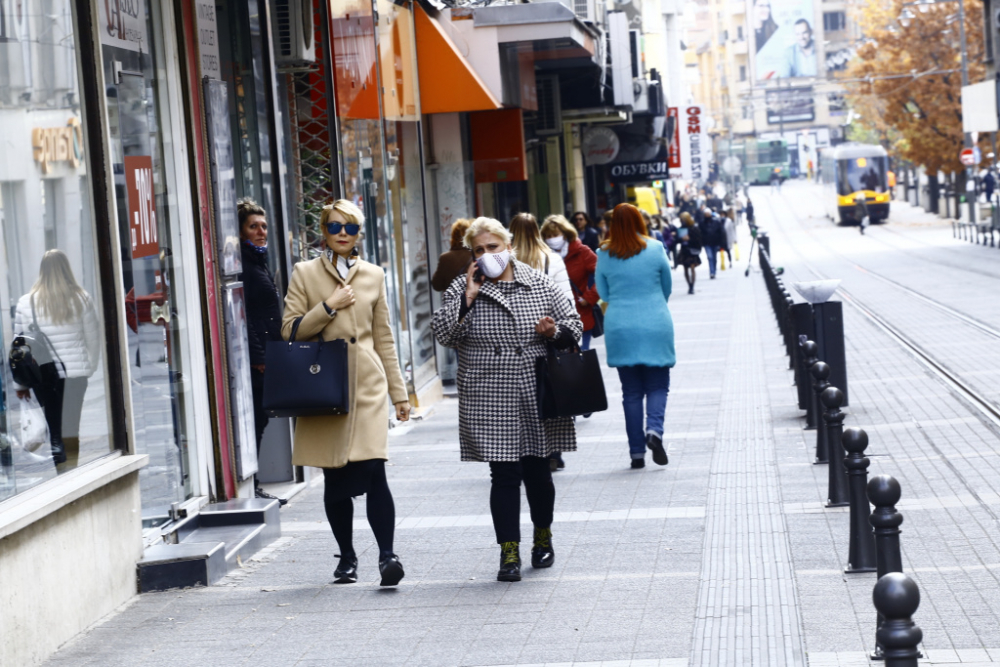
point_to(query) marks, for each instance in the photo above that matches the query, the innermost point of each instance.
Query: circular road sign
(732, 165)
(967, 157)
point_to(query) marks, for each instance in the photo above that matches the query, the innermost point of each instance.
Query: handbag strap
(546, 263)
(37, 329)
(295, 330)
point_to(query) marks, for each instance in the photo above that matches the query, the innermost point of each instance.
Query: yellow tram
(852, 169)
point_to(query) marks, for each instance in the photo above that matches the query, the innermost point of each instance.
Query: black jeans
(505, 495)
(260, 417)
(62, 401)
(354, 479)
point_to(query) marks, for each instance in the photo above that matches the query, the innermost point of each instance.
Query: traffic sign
(968, 156)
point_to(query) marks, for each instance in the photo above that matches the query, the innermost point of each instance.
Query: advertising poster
(790, 105)
(141, 206)
(695, 152)
(241, 393)
(220, 155)
(783, 38)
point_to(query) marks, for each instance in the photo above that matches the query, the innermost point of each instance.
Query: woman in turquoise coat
(633, 276)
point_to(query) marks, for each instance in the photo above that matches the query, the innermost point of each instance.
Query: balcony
(738, 47)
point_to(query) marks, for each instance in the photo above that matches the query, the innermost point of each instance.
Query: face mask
(557, 243)
(494, 263)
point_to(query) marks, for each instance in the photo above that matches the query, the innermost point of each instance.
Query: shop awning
(448, 83)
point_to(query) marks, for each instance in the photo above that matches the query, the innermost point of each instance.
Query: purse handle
(295, 330)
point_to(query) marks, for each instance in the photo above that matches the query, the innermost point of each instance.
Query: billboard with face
(783, 39)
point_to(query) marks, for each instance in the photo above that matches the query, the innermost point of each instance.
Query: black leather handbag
(30, 351)
(305, 379)
(569, 383)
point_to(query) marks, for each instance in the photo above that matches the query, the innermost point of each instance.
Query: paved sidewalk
(724, 557)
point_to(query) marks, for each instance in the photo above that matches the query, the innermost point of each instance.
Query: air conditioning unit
(293, 31)
(548, 120)
(585, 10)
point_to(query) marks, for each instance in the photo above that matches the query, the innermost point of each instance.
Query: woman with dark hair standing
(454, 261)
(340, 296)
(585, 230)
(690, 237)
(633, 276)
(263, 307)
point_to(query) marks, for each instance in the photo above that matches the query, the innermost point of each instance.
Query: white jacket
(557, 272)
(77, 342)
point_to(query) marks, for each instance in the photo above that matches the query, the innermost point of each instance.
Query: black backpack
(29, 352)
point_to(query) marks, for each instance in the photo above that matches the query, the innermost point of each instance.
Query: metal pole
(966, 138)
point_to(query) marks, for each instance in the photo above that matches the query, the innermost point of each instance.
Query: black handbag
(569, 383)
(31, 350)
(306, 379)
(598, 329)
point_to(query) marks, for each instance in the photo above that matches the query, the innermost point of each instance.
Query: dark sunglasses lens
(335, 227)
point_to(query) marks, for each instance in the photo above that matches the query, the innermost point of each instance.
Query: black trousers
(62, 401)
(505, 495)
(355, 479)
(260, 418)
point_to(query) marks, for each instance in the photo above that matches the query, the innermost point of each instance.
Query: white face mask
(493, 263)
(557, 243)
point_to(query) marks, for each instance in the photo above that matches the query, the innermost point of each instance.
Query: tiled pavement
(724, 557)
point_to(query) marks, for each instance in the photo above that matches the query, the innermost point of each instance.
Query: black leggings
(356, 478)
(505, 495)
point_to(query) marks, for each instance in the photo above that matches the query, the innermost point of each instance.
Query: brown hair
(458, 229)
(246, 207)
(686, 219)
(528, 242)
(626, 234)
(557, 225)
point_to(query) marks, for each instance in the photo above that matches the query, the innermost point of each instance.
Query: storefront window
(160, 324)
(53, 414)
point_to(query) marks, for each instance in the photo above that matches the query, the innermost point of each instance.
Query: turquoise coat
(638, 329)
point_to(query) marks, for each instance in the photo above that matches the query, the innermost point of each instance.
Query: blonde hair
(351, 213)
(483, 225)
(57, 294)
(528, 241)
(558, 225)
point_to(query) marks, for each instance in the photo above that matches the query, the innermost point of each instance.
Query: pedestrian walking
(690, 252)
(861, 212)
(58, 310)
(713, 237)
(500, 317)
(581, 263)
(749, 212)
(989, 185)
(633, 276)
(263, 310)
(729, 227)
(454, 261)
(530, 249)
(586, 231)
(776, 181)
(340, 296)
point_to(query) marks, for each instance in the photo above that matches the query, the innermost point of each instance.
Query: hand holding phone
(474, 277)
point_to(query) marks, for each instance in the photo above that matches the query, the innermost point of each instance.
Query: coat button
(354, 340)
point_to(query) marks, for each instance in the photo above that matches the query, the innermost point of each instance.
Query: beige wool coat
(331, 441)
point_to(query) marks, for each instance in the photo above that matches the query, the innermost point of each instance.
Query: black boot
(510, 562)
(58, 452)
(347, 570)
(391, 570)
(655, 445)
(542, 554)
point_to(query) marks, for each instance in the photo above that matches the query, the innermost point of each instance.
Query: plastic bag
(34, 428)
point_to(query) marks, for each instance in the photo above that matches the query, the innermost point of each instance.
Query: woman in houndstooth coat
(499, 316)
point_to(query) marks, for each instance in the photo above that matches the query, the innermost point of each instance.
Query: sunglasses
(335, 227)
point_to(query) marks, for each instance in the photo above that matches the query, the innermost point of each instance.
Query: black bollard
(837, 496)
(809, 349)
(884, 493)
(790, 342)
(861, 552)
(820, 371)
(897, 597)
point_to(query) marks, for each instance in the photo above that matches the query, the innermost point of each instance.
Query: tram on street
(849, 170)
(758, 158)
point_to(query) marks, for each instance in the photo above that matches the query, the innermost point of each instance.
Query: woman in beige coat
(341, 296)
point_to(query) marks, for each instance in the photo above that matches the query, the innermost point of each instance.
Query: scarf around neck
(342, 264)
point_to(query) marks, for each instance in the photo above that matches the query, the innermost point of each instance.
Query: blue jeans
(651, 383)
(585, 341)
(713, 256)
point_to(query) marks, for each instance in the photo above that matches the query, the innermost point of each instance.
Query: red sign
(674, 151)
(967, 157)
(141, 206)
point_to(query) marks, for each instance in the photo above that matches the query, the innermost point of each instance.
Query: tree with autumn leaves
(905, 82)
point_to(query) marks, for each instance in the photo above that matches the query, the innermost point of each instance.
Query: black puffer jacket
(263, 304)
(712, 232)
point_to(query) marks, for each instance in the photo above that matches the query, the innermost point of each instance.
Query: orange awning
(448, 83)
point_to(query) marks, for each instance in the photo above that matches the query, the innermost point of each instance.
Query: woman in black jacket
(263, 308)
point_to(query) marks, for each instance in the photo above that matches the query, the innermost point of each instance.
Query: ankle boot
(347, 570)
(542, 554)
(510, 562)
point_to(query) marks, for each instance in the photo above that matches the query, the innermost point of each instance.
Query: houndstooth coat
(497, 346)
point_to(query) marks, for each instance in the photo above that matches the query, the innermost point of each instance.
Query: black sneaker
(542, 554)
(638, 463)
(261, 493)
(510, 562)
(347, 570)
(391, 569)
(655, 445)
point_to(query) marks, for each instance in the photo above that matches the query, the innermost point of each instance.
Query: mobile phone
(478, 276)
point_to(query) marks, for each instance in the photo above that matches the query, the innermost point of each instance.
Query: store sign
(123, 24)
(58, 144)
(600, 146)
(632, 172)
(141, 206)
(695, 148)
(208, 38)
